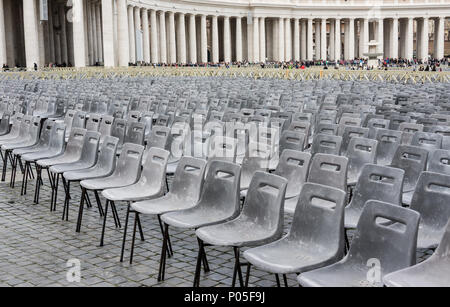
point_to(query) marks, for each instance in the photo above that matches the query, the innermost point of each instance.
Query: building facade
(119, 32)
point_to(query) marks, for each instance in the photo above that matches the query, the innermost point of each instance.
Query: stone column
(215, 39)
(132, 35)
(364, 38)
(192, 40)
(332, 39)
(255, 40)
(203, 39)
(154, 38)
(296, 40)
(282, 40)
(346, 39)
(310, 40)
(439, 37)
(238, 38)
(317, 40)
(288, 39)
(303, 40)
(108, 33)
(57, 34)
(123, 33)
(409, 39)
(172, 39)
(380, 36)
(51, 34)
(394, 39)
(98, 20)
(137, 28)
(79, 33)
(323, 40)
(338, 45)
(181, 38)
(226, 39)
(93, 31)
(3, 53)
(162, 37)
(262, 39)
(424, 39)
(145, 36)
(351, 39)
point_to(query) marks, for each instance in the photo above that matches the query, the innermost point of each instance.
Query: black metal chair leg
(104, 224)
(99, 204)
(141, 232)
(162, 262)
(125, 233)
(116, 215)
(198, 268)
(67, 201)
(162, 232)
(80, 210)
(278, 280)
(285, 281)
(247, 275)
(133, 240)
(237, 268)
(5, 163)
(22, 191)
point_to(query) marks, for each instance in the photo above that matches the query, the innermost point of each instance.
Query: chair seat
(104, 183)
(57, 160)
(91, 173)
(27, 150)
(13, 146)
(235, 233)
(133, 192)
(46, 154)
(338, 275)
(195, 217)
(61, 168)
(290, 204)
(430, 273)
(165, 204)
(286, 256)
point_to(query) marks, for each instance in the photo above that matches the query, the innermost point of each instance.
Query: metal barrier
(399, 76)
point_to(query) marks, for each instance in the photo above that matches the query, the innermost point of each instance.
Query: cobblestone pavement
(35, 246)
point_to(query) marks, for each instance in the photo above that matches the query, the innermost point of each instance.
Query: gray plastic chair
(15, 128)
(259, 223)
(104, 167)
(316, 237)
(397, 120)
(222, 148)
(432, 200)
(29, 137)
(439, 161)
(376, 182)
(360, 151)
(71, 154)
(303, 127)
(329, 170)
(377, 123)
(105, 127)
(445, 132)
(292, 140)
(135, 133)
(126, 173)
(351, 132)
(326, 144)
(93, 122)
(294, 166)
(374, 247)
(56, 148)
(256, 159)
(409, 129)
(433, 272)
(88, 158)
(388, 142)
(219, 202)
(326, 129)
(118, 130)
(427, 140)
(413, 161)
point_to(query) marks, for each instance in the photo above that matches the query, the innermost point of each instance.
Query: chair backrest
(377, 123)
(439, 161)
(107, 153)
(432, 200)
(294, 166)
(57, 137)
(46, 133)
(327, 129)
(105, 127)
(380, 183)
(93, 122)
(301, 126)
(188, 179)
(360, 152)
(445, 132)
(128, 166)
(222, 148)
(329, 170)
(264, 204)
(135, 133)
(408, 130)
(292, 140)
(427, 140)
(118, 129)
(327, 144)
(159, 137)
(25, 126)
(4, 123)
(68, 119)
(221, 187)
(443, 250)
(75, 143)
(396, 120)
(345, 122)
(413, 161)
(154, 169)
(394, 249)
(319, 219)
(90, 147)
(79, 120)
(35, 129)
(351, 132)
(388, 142)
